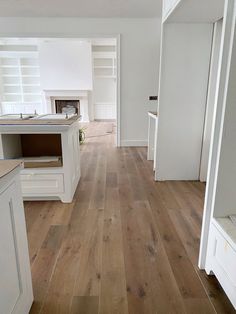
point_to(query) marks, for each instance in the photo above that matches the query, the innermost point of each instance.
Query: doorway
(105, 77)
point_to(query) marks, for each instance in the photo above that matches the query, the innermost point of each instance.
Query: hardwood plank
(113, 296)
(54, 237)
(39, 229)
(32, 212)
(62, 213)
(98, 193)
(41, 274)
(111, 180)
(85, 305)
(196, 306)
(89, 265)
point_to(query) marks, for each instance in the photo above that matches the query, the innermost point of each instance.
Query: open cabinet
(36, 150)
(51, 156)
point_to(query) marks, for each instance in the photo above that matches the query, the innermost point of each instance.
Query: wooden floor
(125, 245)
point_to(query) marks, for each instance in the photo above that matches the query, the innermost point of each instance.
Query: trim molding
(133, 143)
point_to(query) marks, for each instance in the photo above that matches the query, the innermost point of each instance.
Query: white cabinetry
(221, 255)
(44, 181)
(20, 80)
(16, 295)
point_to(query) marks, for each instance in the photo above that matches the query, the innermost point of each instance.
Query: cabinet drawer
(37, 184)
(225, 256)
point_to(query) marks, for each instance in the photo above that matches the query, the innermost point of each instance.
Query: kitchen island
(49, 147)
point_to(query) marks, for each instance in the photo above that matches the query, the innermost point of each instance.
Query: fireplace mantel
(81, 95)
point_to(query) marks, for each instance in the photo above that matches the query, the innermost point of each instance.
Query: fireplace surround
(56, 99)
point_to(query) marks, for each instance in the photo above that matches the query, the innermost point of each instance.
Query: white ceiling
(81, 8)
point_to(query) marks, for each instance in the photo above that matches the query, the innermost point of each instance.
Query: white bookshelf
(20, 82)
(104, 61)
(105, 75)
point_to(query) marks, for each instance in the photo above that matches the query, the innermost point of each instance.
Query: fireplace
(74, 100)
(69, 106)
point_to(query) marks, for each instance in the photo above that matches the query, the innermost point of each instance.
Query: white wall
(182, 100)
(140, 42)
(65, 65)
(225, 196)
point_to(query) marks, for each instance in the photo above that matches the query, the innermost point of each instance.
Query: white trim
(118, 118)
(134, 143)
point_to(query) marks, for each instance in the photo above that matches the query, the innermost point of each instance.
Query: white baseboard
(132, 143)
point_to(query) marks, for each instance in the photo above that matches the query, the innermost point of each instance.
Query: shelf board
(11, 75)
(28, 75)
(103, 67)
(104, 55)
(8, 94)
(106, 76)
(29, 66)
(9, 66)
(34, 85)
(14, 52)
(32, 94)
(22, 102)
(12, 84)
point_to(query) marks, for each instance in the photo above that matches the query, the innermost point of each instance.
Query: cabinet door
(15, 278)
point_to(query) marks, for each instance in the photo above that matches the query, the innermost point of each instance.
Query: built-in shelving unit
(20, 81)
(105, 75)
(104, 61)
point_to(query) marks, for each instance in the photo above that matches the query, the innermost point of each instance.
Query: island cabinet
(51, 156)
(16, 294)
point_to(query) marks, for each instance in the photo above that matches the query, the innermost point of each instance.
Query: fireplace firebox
(67, 106)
